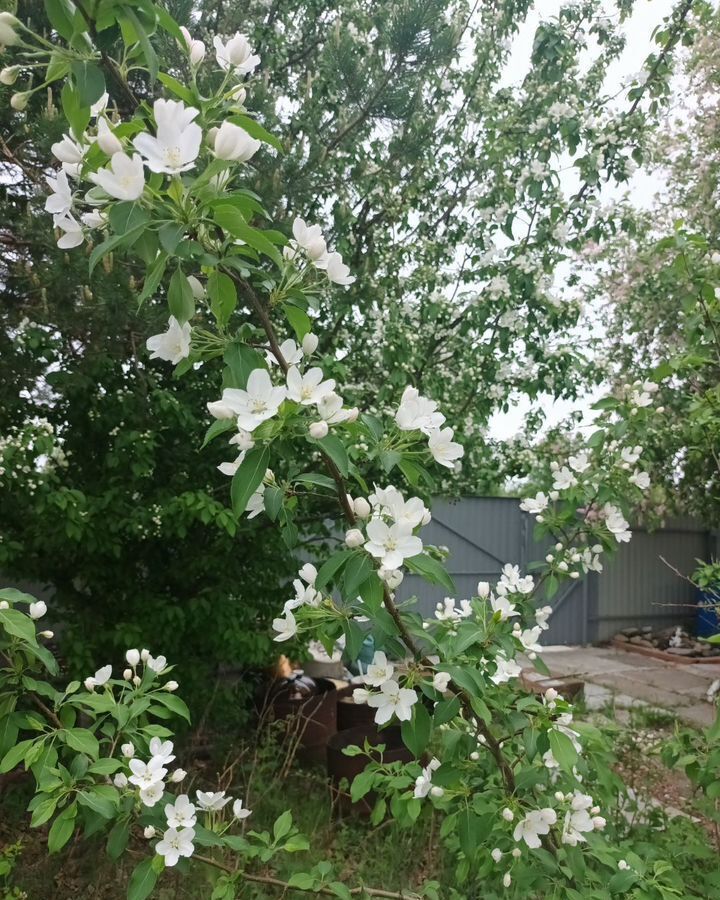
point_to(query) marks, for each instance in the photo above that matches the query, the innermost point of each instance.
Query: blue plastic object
(708, 613)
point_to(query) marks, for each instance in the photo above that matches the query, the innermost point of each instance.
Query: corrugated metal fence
(636, 588)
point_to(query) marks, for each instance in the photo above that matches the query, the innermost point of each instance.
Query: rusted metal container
(310, 708)
(351, 714)
(342, 767)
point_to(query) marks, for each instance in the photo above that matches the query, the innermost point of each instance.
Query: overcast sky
(648, 14)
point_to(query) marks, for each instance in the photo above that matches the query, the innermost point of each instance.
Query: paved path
(629, 677)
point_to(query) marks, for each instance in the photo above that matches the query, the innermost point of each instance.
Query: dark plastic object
(310, 706)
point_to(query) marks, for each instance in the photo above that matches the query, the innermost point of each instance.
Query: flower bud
(9, 74)
(483, 589)
(441, 680)
(551, 694)
(20, 101)
(318, 429)
(310, 343)
(234, 143)
(46, 634)
(516, 852)
(149, 832)
(474, 756)
(507, 879)
(128, 750)
(508, 815)
(106, 139)
(133, 657)
(144, 654)
(127, 674)
(4, 604)
(496, 854)
(172, 686)
(37, 610)
(352, 414)
(8, 24)
(308, 573)
(559, 796)
(598, 823)
(120, 780)
(623, 865)
(89, 685)
(196, 287)
(436, 791)
(238, 95)
(361, 507)
(177, 776)
(354, 538)
(137, 681)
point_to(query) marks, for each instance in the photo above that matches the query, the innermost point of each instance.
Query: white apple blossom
(212, 801)
(418, 413)
(175, 844)
(640, 479)
(308, 573)
(239, 811)
(120, 780)
(290, 352)
(195, 49)
(309, 388)
(234, 144)
(176, 145)
(444, 450)
(354, 538)
(392, 700)
(37, 609)
(146, 774)
(564, 478)
(258, 402)
(235, 54)
(441, 680)
(379, 670)
(180, 814)
(616, 523)
(535, 824)
(392, 544)
(124, 179)
(506, 669)
(536, 504)
(72, 235)
(423, 783)
(172, 345)
(336, 270)
(70, 153)
(330, 407)
(162, 750)
(106, 139)
(286, 627)
(502, 605)
(529, 639)
(578, 820)
(579, 463)
(101, 677)
(311, 240)
(60, 201)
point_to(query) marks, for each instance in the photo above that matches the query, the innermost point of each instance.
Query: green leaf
(148, 52)
(446, 710)
(302, 880)
(562, 749)
(298, 319)
(357, 570)
(103, 806)
(118, 839)
(219, 426)
(416, 732)
(282, 825)
(273, 500)
(431, 570)
(331, 567)
(173, 85)
(223, 296)
(180, 297)
(89, 81)
(230, 219)
(142, 881)
(111, 243)
(15, 756)
(83, 741)
(354, 638)
(254, 129)
(317, 479)
(153, 278)
(77, 114)
(170, 236)
(126, 216)
(339, 890)
(173, 703)
(335, 449)
(242, 360)
(248, 478)
(62, 828)
(60, 15)
(18, 625)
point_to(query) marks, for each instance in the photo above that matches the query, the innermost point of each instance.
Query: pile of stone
(674, 640)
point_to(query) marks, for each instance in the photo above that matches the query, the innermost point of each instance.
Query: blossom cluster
(391, 699)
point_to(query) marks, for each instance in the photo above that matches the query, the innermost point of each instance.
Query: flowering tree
(165, 183)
